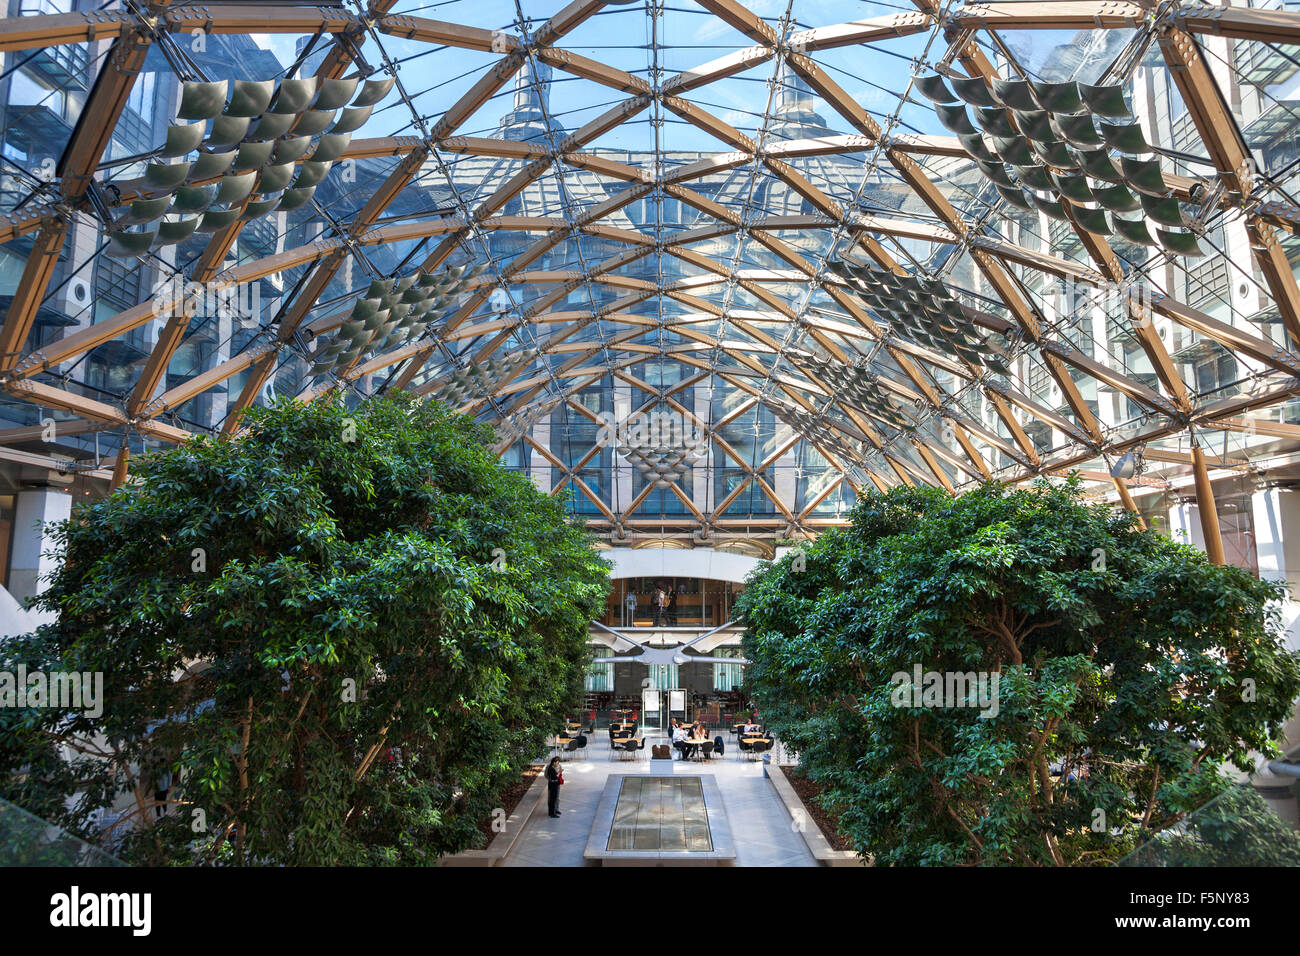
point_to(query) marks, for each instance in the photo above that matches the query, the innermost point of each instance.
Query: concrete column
(29, 565)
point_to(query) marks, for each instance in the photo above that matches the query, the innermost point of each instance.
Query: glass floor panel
(660, 813)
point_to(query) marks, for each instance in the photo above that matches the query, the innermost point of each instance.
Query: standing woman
(554, 779)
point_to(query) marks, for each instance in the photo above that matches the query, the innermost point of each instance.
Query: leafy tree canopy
(1099, 678)
(342, 633)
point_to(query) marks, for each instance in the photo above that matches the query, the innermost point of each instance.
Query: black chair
(707, 749)
(761, 747)
(632, 747)
(582, 744)
(718, 747)
(744, 747)
(574, 745)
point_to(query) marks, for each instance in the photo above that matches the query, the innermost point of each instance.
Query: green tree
(343, 633)
(1130, 671)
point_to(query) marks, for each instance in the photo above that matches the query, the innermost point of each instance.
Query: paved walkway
(760, 826)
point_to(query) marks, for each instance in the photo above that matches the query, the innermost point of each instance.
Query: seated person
(679, 741)
(751, 728)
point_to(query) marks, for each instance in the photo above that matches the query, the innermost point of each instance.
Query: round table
(698, 743)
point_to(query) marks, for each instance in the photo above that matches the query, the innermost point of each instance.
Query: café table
(698, 743)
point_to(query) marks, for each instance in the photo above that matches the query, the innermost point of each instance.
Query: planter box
(495, 851)
(817, 844)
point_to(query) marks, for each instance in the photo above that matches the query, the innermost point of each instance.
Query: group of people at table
(690, 739)
(687, 739)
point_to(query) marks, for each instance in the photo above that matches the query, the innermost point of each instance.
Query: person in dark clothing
(554, 779)
(672, 608)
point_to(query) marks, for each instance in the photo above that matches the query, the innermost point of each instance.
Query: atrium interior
(713, 272)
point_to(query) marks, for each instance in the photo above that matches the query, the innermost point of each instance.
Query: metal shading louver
(236, 188)
(1116, 198)
(973, 91)
(996, 173)
(331, 146)
(1126, 137)
(994, 120)
(374, 91)
(1016, 197)
(147, 210)
(209, 165)
(955, 118)
(1181, 243)
(975, 146)
(1014, 150)
(126, 245)
(1035, 177)
(1074, 188)
(291, 150)
(294, 96)
(194, 199)
(271, 126)
(202, 100)
(933, 88)
(294, 198)
(259, 208)
(1036, 126)
(335, 93)
(253, 156)
(311, 173)
(158, 176)
(170, 233)
(1164, 210)
(312, 122)
(1097, 164)
(1144, 175)
(1051, 207)
(353, 119)
(1093, 220)
(228, 130)
(1054, 153)
(275, 178)
(182, 140)
(250, 98)
(1016, 94)
(1058, 97)
(1078, 131)
(214, 220)
(1134, 231)
(1105, 101)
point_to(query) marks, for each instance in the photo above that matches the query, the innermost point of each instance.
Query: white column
(538, 466)
(1185, 523)
(29, 565)
(1276, 514)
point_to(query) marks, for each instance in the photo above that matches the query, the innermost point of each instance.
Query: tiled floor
(760, 827)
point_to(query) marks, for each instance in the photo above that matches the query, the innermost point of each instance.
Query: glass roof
(711, 268)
